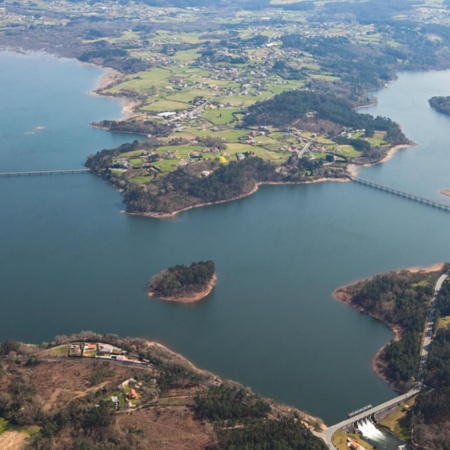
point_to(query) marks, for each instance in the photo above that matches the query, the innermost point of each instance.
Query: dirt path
(12, 440)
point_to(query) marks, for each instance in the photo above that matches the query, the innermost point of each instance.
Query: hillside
(93, 392)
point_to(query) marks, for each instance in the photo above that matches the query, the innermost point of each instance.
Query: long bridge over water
(44, 172)
(403, 194)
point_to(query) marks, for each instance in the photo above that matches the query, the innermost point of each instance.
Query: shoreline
(190, 298)
(307, 419)
(352, 169)
(376, 364)
(391, 153)
(342, 295)
(156, 215)
(110, 76)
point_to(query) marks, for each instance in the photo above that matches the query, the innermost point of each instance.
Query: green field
(443, 322)
(4, 425)
(219, 116)
(397, 421)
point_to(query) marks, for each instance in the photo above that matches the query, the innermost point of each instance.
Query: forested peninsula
(440, 104)
(402, 299)
(184, 283)
(90, 391)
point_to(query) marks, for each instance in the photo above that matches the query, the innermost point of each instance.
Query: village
(130, 393)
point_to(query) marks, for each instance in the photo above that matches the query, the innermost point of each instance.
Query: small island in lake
(183, 283)
(440, 104)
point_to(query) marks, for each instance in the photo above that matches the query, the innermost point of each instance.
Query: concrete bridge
(352, 422)
(403, 194)
(327, 434)
(43, 172)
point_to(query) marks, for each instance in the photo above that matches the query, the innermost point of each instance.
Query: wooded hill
(284, 109)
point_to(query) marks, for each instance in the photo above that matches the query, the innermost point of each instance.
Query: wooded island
(183, 283)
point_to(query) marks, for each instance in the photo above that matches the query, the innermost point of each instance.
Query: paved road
(428, 332)
(328, 433)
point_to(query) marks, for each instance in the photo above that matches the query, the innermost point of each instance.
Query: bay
(70, 261)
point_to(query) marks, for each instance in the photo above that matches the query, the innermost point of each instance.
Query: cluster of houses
(103, 351)
(130, 392)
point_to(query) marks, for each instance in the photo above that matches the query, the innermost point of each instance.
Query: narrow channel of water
(70, 261)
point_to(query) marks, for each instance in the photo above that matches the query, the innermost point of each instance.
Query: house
(90, 347)
(127, 382)
(167, 114)
(75, 350)
(132, 394)
(105, 348)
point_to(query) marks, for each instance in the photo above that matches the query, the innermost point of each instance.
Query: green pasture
(220, 116)
(142, 81)
(347, 150)
(164, 105)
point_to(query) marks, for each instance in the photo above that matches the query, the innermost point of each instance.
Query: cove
(70, 261)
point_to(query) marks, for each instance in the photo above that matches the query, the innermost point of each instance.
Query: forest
(181, 280)
(431, 415)
(401, 300)
(182, 188)
(441, 104)
(134, 126)
(241, 422)
(283, 109)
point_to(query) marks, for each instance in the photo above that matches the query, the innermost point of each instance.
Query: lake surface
(70, 261)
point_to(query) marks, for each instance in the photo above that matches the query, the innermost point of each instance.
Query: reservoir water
(70, 261)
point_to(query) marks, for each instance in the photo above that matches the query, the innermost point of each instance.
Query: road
(428, 332)
(428, 336)
(328, 433)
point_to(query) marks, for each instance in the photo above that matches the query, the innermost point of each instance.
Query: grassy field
(164, 106)
(4, 425)
(397, 421)
(221, 116)
(347, 150)
(443, 322)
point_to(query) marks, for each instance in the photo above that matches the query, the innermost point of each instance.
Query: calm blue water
(70, 261)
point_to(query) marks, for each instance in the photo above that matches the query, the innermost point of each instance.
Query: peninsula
(415, 304)
(401, 300)
(91, 391)
(208, 85)
(440, 104)
(184, 284)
